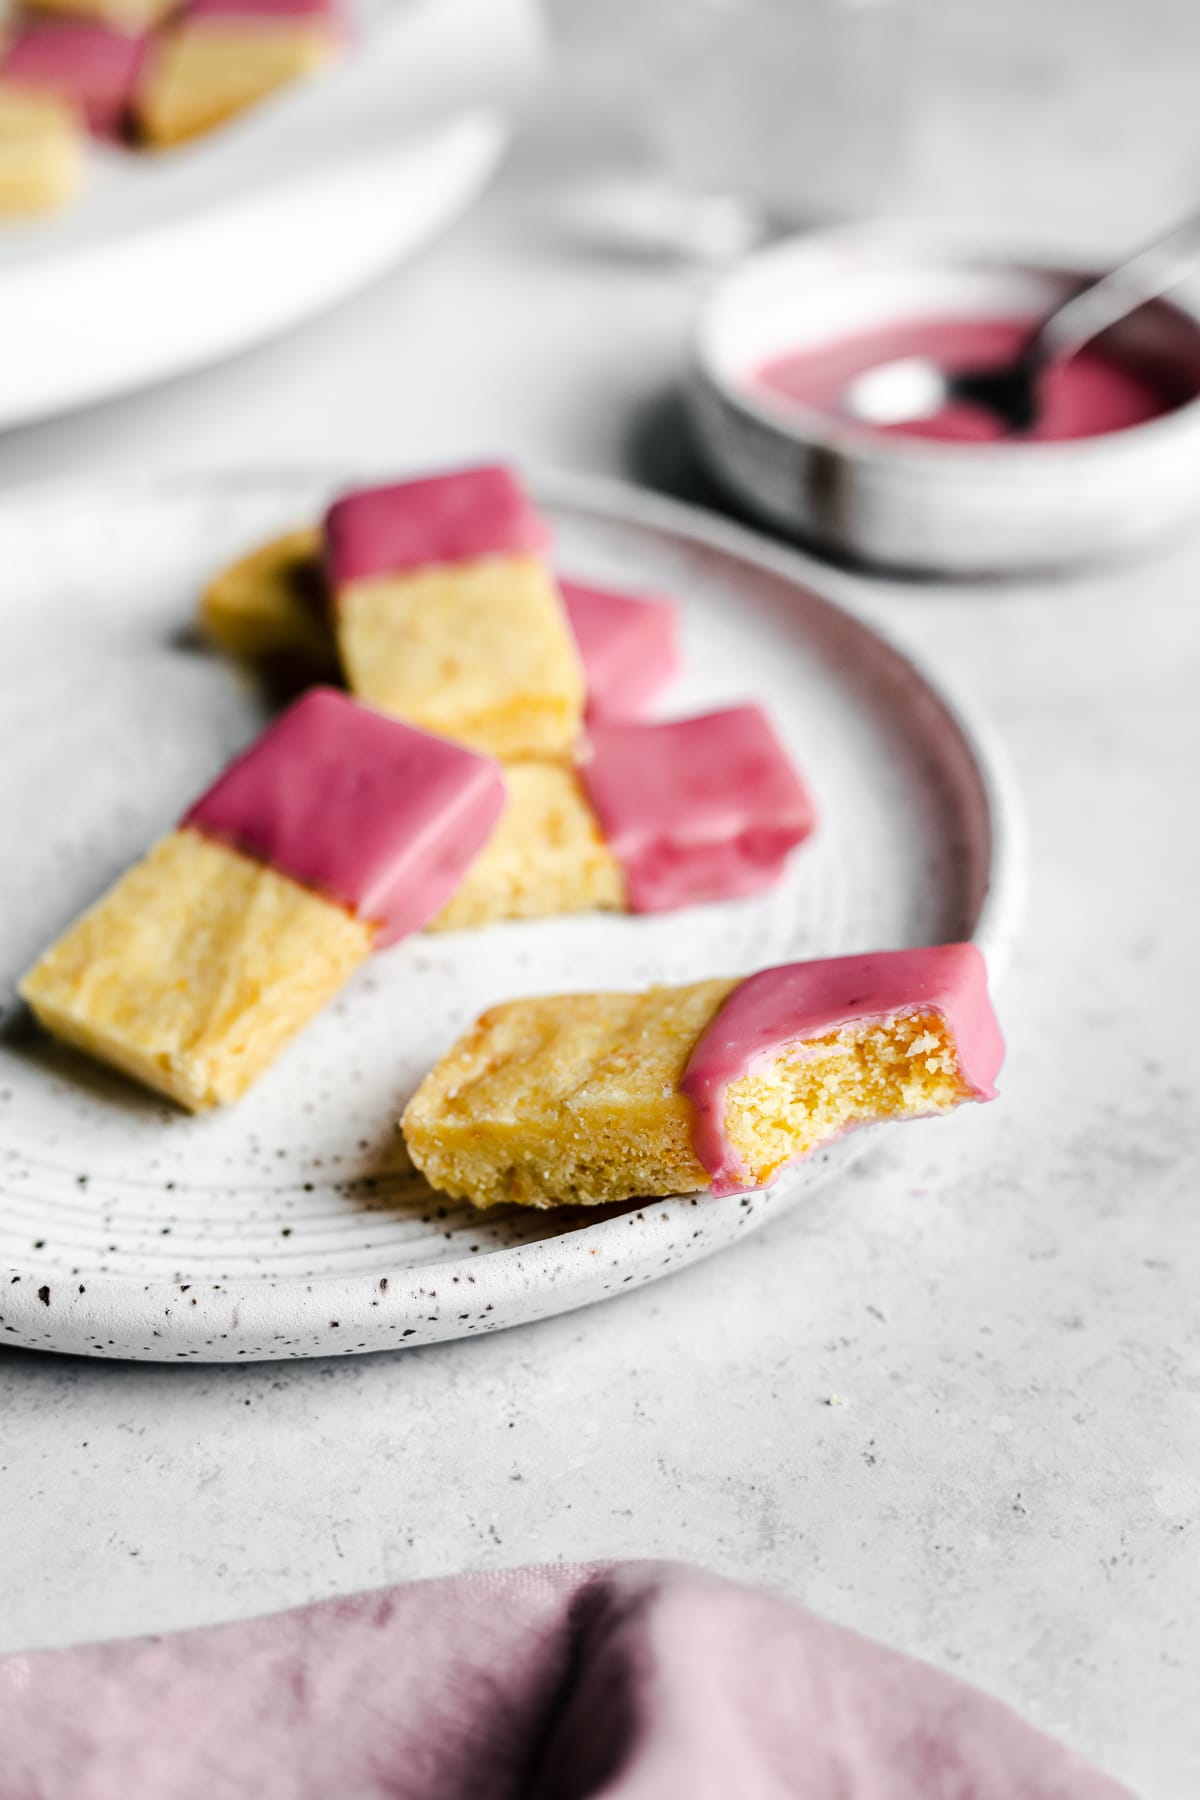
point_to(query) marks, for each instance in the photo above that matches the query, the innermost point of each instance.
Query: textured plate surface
(290, 1226)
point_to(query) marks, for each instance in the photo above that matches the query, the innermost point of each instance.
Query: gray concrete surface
(1011, 1485)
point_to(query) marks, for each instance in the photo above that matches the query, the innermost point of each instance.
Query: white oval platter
(173, 260)
(290, 1225)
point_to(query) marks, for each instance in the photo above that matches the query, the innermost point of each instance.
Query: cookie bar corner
(447, 614)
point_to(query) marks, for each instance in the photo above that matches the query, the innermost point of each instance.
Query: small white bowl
(914, 503)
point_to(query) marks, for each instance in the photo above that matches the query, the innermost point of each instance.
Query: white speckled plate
(290, 1226)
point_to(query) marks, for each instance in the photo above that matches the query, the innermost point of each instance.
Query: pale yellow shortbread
(576, 1100)
(267, 605)
(41, 153)
(480, 651)
(193, 971)
(546, 856)
(899, 1068)
(204, 73)
(572, 1100)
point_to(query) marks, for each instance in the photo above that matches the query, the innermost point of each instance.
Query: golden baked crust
(195, 969)
(546, 856)
(480, 652)
(572, 1100)
(268, 605)
(41, 153)
(201, 75)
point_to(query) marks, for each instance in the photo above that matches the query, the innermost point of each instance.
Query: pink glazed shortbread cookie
(381, 818)
(700, 809)
(338, 832)
(799, 1054)
(91, 67)
(222, 57)
(628, 644)
(590, 1099)
(447, 616)
(272, 605)
(41, 153)
(659, 817)
(436, 520)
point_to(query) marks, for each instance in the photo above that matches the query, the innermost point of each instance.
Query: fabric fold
(636, 1681)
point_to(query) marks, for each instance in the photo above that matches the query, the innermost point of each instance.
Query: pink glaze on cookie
(263, 9)
(253, 10)
(698, 809)
(91, 67)
(628, 644)
(451, 518)
(374, 814)
(781, 1009)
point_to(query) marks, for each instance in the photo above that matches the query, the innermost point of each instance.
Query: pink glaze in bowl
(916, 503)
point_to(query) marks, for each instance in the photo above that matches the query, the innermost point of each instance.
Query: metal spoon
(914, 387)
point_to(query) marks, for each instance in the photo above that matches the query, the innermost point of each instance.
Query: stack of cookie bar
(489, 759)
(143, 72)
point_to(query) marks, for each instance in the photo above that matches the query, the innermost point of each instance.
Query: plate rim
(514, 1269)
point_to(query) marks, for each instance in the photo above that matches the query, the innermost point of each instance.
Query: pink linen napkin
(638, 1681)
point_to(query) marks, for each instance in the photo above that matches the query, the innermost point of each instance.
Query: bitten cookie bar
(658, 817)
(41, 153)
(447, 616)
(594, 1098)
(223, 56)
(90, 67)
(338, 832)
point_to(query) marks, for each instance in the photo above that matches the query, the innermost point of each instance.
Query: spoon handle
(1143, 276)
